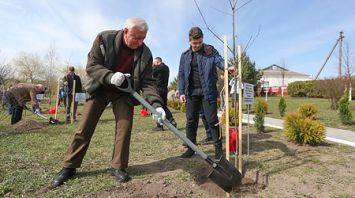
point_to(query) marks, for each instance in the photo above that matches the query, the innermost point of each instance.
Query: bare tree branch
(218, 10)
(246, 3)
(251, 41)
(29, 66)
(208, 28)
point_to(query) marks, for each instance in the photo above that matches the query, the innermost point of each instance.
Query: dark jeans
(164, 97)
(194, 102)
(205, 124)
(16, 113)
(68, 107)
(15, 110)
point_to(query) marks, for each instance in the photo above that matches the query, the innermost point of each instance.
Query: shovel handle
(170, 126)
(179, 134)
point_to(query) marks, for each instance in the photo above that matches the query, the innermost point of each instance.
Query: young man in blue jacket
(197, 86)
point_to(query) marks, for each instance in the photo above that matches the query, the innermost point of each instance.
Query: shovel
(223, 173)
(51, 120)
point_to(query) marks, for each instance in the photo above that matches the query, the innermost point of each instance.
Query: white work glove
(160, 117)
(37, 111)
(118, 78)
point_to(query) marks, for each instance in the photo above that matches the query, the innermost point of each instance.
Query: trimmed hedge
(301, 127)
(303, 130)
(304, 89)
(308, 111)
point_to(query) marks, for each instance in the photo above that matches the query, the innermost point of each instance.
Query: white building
(278, 76)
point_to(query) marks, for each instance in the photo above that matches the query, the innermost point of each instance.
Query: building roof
(277, 70)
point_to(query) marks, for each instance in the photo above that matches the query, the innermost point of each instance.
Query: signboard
(265, 84)
(80, 97)
(248, 94)
(40, 96)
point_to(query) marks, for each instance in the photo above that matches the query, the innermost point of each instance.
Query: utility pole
(340, 51)
(340, 41)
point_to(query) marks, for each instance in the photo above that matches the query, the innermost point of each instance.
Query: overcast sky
(295, 33)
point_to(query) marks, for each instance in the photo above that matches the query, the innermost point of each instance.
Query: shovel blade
(53, 121)
(225, 175)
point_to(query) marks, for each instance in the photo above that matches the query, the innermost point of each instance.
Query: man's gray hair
(136, 22)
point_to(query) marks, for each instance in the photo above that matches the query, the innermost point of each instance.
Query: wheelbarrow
(223, 173)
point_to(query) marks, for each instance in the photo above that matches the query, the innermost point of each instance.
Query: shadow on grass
(193, 166)
(93, 173)
(260, 142)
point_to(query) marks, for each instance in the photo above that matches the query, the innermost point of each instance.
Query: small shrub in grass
(308, 111)
(260, 111)
(344, 110)
(232, 117)
(182, 107)
(303, 130)
(282, 106)
(261, 104)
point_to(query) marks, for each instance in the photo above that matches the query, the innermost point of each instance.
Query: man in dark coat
(113, 56)
(68, 83)
(161, 75)
(197, 87)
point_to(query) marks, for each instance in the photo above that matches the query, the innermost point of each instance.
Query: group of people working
(118, 56)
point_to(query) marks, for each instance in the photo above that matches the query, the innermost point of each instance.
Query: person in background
(68, 83)
(114, 56)
(161, 74)
(19, 94)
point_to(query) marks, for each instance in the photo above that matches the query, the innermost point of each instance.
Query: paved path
(332, 134)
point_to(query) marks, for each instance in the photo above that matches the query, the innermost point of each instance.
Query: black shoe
(121, 175)
(189, 153)
(206, 141)
(158, 128)
(64, 175)
(173, 123)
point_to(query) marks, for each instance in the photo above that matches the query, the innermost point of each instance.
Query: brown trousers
(93, 110)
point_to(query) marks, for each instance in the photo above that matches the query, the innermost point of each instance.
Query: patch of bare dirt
(24, 125)
(139, 188)
(202, 186)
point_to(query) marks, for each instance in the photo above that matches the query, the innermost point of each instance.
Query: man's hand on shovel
(160, 117)
(118, 78)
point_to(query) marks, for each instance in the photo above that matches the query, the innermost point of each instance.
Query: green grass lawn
(30, 160)
(326, 115)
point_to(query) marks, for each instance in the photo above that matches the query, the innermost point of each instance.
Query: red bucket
(51, 110)
(143, 112)
(232, 139)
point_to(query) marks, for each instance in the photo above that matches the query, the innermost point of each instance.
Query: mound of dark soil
(23, 126)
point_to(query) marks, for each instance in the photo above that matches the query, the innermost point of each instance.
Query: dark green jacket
(102, 60)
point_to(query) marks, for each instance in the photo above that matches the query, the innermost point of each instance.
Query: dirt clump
(23, 126)
(145, 189)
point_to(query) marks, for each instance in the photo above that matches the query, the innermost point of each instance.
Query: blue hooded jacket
(208, 60)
